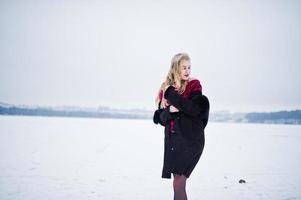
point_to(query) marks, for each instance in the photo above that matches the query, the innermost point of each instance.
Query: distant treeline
(66, 113)
(283, 117)
(280, 117)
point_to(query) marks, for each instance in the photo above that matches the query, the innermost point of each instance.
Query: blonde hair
(174, 74)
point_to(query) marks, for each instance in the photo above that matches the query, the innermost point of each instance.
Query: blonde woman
(183, 111)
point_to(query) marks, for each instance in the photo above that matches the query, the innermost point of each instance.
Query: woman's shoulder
(193, 85)
(192, 80)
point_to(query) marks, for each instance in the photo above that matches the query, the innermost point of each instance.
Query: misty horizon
(134, 108)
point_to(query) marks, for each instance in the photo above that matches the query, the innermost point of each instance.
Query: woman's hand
(173, 109)
(165, 103)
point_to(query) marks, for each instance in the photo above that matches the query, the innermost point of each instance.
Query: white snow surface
(53, 158)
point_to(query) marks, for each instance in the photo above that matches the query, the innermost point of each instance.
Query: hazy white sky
(116, 53)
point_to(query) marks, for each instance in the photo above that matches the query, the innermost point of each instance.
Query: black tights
(179, 184)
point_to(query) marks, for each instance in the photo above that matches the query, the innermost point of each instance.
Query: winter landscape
(56, 158)
(79, 79)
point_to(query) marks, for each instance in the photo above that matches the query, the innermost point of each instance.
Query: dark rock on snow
(242, 181)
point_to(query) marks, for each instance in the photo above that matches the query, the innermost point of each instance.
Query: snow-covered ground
(76, 158)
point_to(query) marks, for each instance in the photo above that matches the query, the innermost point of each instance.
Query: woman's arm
(163, 115)
(156, 116)
(166, 115)
(197, 106)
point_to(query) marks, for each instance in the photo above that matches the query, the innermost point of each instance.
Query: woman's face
(185, 69)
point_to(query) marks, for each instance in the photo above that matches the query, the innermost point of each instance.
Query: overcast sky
(117, 53)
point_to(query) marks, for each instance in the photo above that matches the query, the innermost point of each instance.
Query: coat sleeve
(194, 106)
(156, 117)
(162, 116)
(166, 116)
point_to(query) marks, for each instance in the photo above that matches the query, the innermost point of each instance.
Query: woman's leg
(179, 184)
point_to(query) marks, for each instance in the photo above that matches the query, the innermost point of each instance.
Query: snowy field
(54, 158)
